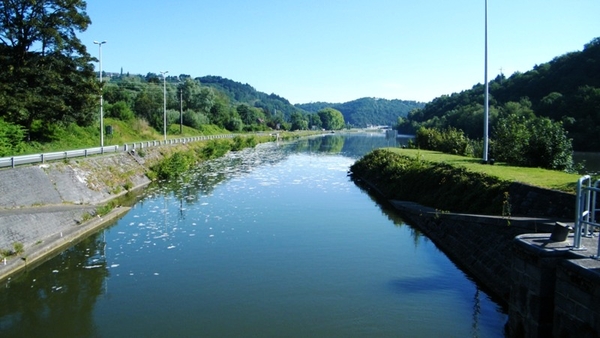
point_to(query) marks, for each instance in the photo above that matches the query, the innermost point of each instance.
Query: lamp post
(181, 111)
(486, 110)
(101, 101)
(164, 74)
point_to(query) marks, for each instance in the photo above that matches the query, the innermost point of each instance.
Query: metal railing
(63, 155)
(585, 212)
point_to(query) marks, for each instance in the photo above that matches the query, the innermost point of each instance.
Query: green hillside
(367, 111)
(565, 89)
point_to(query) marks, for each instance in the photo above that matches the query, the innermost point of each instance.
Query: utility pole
(486, 111)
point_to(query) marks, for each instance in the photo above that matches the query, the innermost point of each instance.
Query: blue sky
(338, 51)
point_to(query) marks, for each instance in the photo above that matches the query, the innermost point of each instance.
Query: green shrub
(11, 138)
(215, 149)
(437, 185)
(174, 165)
(120, 110)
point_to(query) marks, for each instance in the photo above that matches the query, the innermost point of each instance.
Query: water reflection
(57, 298)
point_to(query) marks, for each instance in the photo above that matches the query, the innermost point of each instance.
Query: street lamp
(486, 110)
(181, 111)
(101, 101)
(180, 105)
(164, 74)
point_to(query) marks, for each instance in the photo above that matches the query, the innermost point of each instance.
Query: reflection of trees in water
(209, 174)
(57, 298)
(203, 179)
(391, 213)
(330, 144)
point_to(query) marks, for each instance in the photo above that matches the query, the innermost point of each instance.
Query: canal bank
(550, 288)
(46, 208)
(41, 203)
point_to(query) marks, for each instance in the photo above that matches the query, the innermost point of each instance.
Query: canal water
(274, 241)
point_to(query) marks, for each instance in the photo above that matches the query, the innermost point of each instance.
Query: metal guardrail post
(579, 213)
(588, 195)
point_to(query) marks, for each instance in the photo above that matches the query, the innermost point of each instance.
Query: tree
(149, 105)
(314, 121)
(250, 115)
(534, 142)
(119, 110)
(299, 121)
(549, 146)
(332, 119)
(45, 70)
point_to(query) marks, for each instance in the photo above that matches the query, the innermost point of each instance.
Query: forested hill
(367, 111)
(360, 113)
(238, 92)
(565, 89)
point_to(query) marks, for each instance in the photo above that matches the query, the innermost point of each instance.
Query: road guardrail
(14, 161)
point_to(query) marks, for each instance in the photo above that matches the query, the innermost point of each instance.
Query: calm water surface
(270, 242)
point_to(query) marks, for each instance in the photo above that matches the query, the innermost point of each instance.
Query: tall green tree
(45, 71)
(314, 121)
(332, 119)
(299, 121)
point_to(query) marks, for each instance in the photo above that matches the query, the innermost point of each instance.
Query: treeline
(209, 100)
(227, 104)
(367, 111)
(565, 90)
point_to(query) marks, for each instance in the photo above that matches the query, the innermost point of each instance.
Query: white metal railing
(63, 155)
(585, 212)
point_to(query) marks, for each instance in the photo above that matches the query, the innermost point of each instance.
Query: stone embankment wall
(555, 289)
(531, 201)
(551, 290)
(480, 244)
(37, 202)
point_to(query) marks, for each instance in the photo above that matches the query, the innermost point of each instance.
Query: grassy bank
(57, 138)
(449, 182)
(549, 179)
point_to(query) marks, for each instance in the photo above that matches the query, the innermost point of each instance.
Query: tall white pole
(164, 74)
(181, 111)
(101, 100)
(486, 111)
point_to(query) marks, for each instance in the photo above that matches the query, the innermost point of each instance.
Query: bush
(437, 185)
(215, 149)
(450, 141)
(537, 142)
(240, 143)
(174, 165)
(120, 110)
(11, 138)
(195, 120)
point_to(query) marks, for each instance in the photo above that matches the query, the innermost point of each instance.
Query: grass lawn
(544, 178)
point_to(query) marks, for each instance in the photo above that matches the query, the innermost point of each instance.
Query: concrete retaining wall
(555, 290)
(40, 203)
(577, 299)
(482, 245)
(527, 200)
